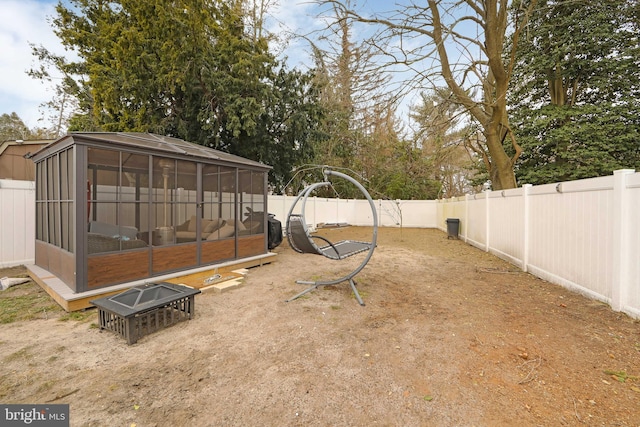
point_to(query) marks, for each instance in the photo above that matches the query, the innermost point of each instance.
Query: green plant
(26, 302)
(79, 316)
(621, 376)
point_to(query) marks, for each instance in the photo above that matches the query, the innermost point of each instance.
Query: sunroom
(120, 208)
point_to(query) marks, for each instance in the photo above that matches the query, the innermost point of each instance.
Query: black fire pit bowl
(135, 298)
(145, 309)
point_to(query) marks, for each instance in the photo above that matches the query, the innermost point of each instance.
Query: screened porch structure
(113, 208)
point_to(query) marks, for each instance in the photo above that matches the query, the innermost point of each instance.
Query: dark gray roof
(153, 143)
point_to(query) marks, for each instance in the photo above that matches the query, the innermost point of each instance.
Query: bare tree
(64, 102)
(443, 139)
(460, 43)
(353, 95)
(256, 13)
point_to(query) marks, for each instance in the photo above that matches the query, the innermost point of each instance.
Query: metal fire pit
(144, 309)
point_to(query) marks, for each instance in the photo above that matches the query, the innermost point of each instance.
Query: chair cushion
(213, 225)
(222, 233)
(192, 223)
(112, 230)
(232, 222)
(207, 225)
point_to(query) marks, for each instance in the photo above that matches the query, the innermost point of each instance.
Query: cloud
(27, 22)
(24, 22)
(298, 22)
(290, 21)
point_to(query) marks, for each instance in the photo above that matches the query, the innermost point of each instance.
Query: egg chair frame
(303, 241)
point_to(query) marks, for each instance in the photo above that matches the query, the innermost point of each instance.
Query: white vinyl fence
(17, 222)
(391, 213)
(583, 235)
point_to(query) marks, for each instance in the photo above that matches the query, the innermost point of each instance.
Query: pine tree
(576, 110)
(199, 70)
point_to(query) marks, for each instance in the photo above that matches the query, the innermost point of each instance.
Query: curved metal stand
(302, 241)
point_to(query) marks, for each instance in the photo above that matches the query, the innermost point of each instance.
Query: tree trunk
(501, 167)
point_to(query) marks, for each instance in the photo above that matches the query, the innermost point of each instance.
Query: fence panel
(17, 230)
(391, 213)
(17, 223)
(571, 237)
(476, 229)
(633, 242)
(452, 208)
(506, 225)
(408, 213)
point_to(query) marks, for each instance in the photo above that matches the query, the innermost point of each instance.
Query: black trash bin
(453, 228)
(274, 232)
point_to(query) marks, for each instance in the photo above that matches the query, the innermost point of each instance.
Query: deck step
(224, 286)
(227, 285)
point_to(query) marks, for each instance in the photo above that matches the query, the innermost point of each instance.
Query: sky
(27, 22)
(24, 22)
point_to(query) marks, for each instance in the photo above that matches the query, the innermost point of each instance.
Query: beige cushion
(192, 223)
(207, 225)
(232, 222)
(226, 231)
(213, 225)
(186, 235)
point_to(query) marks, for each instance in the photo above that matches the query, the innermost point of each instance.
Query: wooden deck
(199, 278)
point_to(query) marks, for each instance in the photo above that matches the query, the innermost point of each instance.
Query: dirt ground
(449, 336)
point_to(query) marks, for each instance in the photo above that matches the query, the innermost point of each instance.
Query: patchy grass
(45, 386)
(78, 316)
(621, 376)
(23, 354)
(27, 302)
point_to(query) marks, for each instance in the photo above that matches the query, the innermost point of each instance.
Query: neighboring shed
(15, 159)
(117, 209)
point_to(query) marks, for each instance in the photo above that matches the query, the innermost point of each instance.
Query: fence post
(487, 220)
(466, 216)
(621, 255)
(284, 208)
(525, 241)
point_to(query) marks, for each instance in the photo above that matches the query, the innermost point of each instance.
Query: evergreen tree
(13, 128)
(192, 69)
(576, 109)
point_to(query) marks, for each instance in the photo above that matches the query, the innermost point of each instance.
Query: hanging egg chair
(303, 241)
